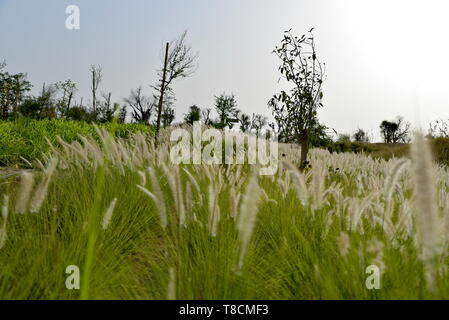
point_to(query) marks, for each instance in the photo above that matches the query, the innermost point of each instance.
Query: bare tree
(105, 110)
(107, 99)
(179, 62)
(258, 122)
(97, 76)
(395, 131)
(295, 111)
(142, 106)
(245, 122)
(361, 136)
(439, 128)
(205, 115)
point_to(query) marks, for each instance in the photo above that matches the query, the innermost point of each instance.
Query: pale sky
(384, 57)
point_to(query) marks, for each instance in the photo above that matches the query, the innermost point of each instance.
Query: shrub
(440, 147)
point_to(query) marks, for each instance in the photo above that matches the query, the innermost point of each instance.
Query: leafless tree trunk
(161, 98)
(69, 100)
(179, 62)
(304, 149)
(206, 116)
(107, 100)
(96, 79)
(141, 105)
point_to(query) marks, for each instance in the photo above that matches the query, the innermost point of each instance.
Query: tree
(395, 131)
(245, 122)
(13, 89)
(68, 89)
(48, 101)
(258, 123)
(205, 115)
(120, 113)
(226, 107)
(439, 128)
(179, 62)
(343, 137)
(141, 106)
(105, 112)
(97, 75)
(168, 116)
(361, 136)
(295, 111)
(193, 115)
(79, 113)
(41, 107)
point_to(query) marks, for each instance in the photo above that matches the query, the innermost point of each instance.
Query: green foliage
(25, 138)
(376, 150)
(440, 147)
(395, 131)
(13, 89)
(295, 110)
(361, 136)
(226, 107)
(193, 115)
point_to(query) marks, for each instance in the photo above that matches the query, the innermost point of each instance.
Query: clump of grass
(247, 217)
(427, 218)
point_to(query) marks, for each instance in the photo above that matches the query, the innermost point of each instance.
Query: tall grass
(141, 228)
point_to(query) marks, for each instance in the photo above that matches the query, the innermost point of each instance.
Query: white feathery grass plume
(405, 219)
(40, 165)
(25, 189)
(42, 189)
(356, 209)
(143, 178)
(344, 244)
(176, 189)
(248, 214)
(5, 207)
(159, 205)
(195, 184)
(426, 214)
(108, 215)
(386, 225)
(318, 177)
(188, 198)
(300, 185)
(392, 181)
(5, 211)
(376, 248)
(180, 199)
(26, 161)
(234, 199)
(214, 210)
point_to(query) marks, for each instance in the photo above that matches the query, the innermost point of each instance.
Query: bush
(25, 138)
(376, 150)
(440, 147)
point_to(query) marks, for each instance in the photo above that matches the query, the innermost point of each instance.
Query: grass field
(26, 140)
(140, 228)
